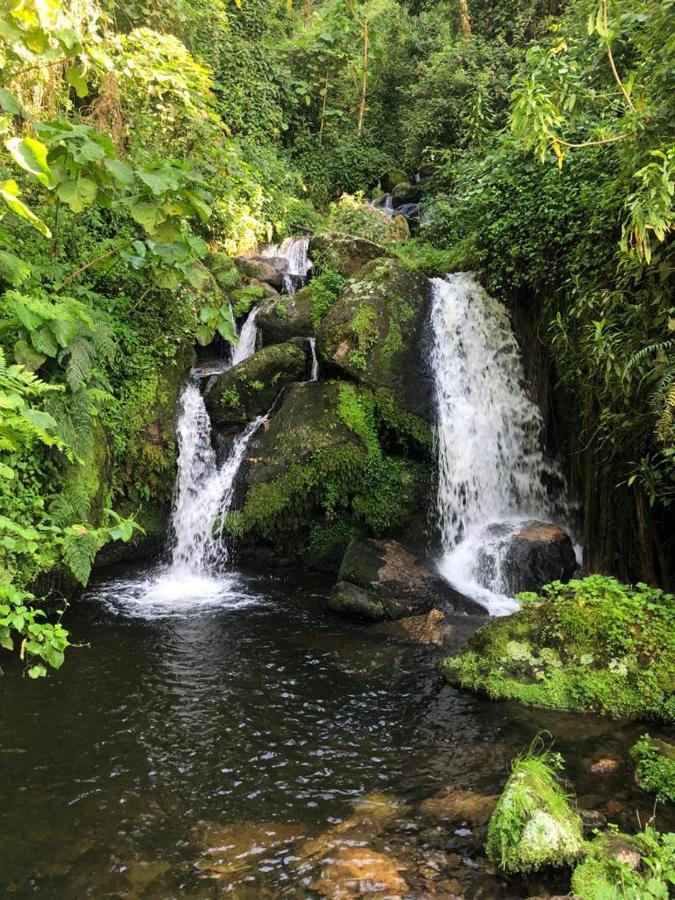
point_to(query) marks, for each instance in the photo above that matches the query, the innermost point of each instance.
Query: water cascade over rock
(294, 251)
(493, 476)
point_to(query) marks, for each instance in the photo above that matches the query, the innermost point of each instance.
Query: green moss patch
(655, 767)
(591, 645)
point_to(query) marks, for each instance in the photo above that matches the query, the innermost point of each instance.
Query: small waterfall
(298, 264)
(491, 467)
(315, 361)
(247, 338)
(204, 489)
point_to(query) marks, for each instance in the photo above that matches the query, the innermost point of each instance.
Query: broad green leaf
(26, 356)
(31, 155)
(76, 78)
(7, 473)
(69, 41)
(30, 318)
(37, 671)
(78, 194)
(9, 102)
(204, 335)
(10, 193)
(149, 215)
(65, 331)
(44, 342)
(13, 269)
(121, 171)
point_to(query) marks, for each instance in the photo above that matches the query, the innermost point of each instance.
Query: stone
(226, 850)
(249, 389)
(355, 871)
(606, 765)
(432, 629)
(375, 331)
(282, 317)
(538, 554)
(459, 806)
(405, 193)
(381, 579)
(391, 178)
(262, 268)
(344, 253)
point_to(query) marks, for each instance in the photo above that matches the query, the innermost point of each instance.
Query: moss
(534, 823)
(244, 298)
(593, 645)
(655, 767)
(281, 311)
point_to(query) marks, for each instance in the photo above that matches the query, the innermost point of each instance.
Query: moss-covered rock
(249, 389)
(619, 865)
(534, 823)
(373, 334)
(593, 645)
(266, 269)
(404, 192)
(343, 253)
(381, 579)
(392, 177)
(655, 767)
(286, 316)
(327, 467)
(85, 490)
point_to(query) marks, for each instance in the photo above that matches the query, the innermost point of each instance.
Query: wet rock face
(381, 579)
(432, 629)
(538, 554)
(344, 253)
(374, 334)
(281, 318)
(269, 270)
(249, 389)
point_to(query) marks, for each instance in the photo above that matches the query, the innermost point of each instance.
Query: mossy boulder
(343, 253)
(593, 645)
(249, 389)
(404, 192)
(621, 865)
(534, 823)
(381, 579)
(392, 177)
(374, 334)
(266, 269)
(325, 467)
(286, 316)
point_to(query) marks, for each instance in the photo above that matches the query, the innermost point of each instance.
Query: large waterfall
(491, 467)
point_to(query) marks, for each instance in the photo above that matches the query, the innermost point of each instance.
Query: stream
(196, 754)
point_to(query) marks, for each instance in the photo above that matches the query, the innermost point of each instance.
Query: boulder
(249, 389)
(391, 178)
(374, 334)
(283, 317)
(344, 253)
(406, 193)
(266, 269)
(538, 553)
(381, 579)
(356, 871)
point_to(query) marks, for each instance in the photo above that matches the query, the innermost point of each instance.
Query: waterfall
(315, 361)
(247, 338)
(491, 467)
(298, 264)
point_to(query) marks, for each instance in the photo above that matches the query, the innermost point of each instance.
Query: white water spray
(295, 251)
(315, 360)
(247, 338)
(491, 467)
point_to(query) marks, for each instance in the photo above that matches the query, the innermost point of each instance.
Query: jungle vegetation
(142, 139)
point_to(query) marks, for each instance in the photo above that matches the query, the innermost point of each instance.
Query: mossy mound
(344, 253)
(333, 461)
(373, 333)
(655, 767)
(593, 645)
(534, 823)
(619, 866)
(249, 389)
(286, 316)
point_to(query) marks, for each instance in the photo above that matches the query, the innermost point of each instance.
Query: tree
(464, 18)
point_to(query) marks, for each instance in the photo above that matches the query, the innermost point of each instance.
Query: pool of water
(226, 747)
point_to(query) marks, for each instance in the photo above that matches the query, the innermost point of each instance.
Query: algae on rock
(534, 823)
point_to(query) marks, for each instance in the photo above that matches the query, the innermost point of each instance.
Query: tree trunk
(465, 19)
(364, 79)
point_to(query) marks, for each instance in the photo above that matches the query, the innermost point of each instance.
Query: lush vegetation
(590, 645)
(147, 144)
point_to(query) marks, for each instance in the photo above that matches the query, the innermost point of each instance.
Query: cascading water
(314, 376)
(247, 338)
(491, 467)
(295, 251)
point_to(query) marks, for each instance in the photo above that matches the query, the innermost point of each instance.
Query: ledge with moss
(654, 761)
(593, 645)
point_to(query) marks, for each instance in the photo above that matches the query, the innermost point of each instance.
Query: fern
(79, 547)
(80, 361)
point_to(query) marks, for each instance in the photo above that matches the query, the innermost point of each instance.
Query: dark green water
(252, 725)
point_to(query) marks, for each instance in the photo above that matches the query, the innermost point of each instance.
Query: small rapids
(492, 472)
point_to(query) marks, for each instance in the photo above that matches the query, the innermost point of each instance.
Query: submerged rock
(459, 806)
(355, 871)
(374, 332)
(432, 629)
(249, 389)
(381, 579)
(228, 851)
(537, 554)
(344, 253)
(286, 316)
